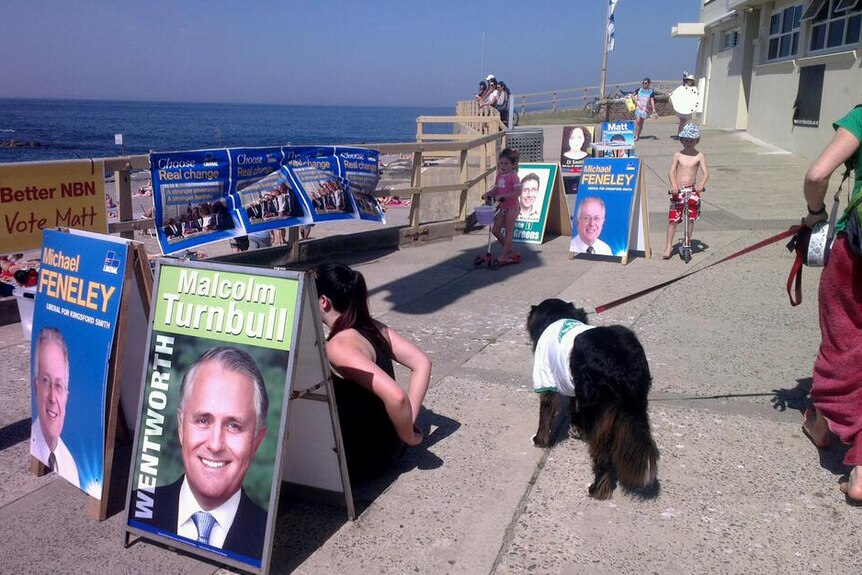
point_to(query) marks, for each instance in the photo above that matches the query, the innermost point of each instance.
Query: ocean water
(68, 129)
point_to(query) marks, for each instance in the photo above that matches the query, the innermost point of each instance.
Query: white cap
(490, 77)
(689, 77)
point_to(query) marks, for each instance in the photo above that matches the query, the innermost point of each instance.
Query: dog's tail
(627, 437)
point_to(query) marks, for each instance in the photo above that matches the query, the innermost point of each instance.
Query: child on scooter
(683, 174)
(506, 192)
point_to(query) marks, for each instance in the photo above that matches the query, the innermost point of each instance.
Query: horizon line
(132, 101)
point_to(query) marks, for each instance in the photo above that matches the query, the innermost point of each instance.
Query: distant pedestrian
(688, 83)
(644, 101)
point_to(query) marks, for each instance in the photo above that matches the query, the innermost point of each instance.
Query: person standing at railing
(490, 100)
(483, 89)
(503, 101)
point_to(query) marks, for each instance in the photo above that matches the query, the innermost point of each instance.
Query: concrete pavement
(741, 489)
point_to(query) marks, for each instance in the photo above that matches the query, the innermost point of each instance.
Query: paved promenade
(741, 489)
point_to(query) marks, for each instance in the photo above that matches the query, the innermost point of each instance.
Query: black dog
(610, 381)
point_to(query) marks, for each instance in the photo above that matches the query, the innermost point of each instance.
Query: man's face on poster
(591, 218)
(217, 431)
(529, 192)
(52, 390)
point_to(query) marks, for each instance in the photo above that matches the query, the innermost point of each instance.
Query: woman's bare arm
(348, 358)
(410, 356)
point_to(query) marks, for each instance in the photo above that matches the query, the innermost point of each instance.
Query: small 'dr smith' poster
(214, 390)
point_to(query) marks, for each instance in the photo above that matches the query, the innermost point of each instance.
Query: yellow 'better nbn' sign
(34, 197)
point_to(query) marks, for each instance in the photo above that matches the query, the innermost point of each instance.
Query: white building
(783, 70)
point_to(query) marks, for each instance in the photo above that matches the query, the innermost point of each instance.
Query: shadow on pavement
(303, 526)
(14, 433)
(403, 294)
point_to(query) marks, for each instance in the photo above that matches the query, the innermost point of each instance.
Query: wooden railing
(472, 109)
(479, 137)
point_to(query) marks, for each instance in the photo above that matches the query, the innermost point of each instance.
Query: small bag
(854, 226)
(630, 105)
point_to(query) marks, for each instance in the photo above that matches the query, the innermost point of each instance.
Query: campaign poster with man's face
(537, 182)
(74, 322)
(214, 392)
(602, 215)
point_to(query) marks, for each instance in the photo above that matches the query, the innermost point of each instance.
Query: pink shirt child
(505, 190)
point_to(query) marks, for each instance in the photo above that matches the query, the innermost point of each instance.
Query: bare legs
(671, 231)
(639, 125)
(852, 488)
(504, 229)
(816, 428)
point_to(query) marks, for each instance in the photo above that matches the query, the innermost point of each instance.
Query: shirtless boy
(683, 174)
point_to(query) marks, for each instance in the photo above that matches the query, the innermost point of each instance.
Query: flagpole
(605, 52)
(604, 67)
(482, 58)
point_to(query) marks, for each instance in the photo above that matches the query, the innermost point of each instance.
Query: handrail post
(419, 129)
(123, 188)
(415, 198)
(554, 102)
(293, 242)
(483, 166)
(465, 177)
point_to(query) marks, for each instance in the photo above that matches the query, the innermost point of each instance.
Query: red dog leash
(771, 240)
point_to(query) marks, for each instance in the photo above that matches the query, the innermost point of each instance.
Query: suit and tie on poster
(207, 450)
(604, 214)
(74, 323)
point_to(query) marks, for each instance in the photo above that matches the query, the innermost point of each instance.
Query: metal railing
(578, 98)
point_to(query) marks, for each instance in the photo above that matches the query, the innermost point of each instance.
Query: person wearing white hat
(686, 168)
(688, 84)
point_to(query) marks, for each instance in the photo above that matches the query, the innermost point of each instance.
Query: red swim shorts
(674, 214)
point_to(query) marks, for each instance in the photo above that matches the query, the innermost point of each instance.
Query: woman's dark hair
(567, 134)
(511, 154)
(348, 293)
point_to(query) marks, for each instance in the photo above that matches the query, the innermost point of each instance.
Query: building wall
(773, 84)
(725, 106)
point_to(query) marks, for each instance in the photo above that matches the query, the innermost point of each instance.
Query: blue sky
(384, 52)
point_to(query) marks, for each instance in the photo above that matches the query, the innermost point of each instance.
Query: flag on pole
(611, 5)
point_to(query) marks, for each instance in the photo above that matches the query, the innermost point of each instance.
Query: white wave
(7, 130)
